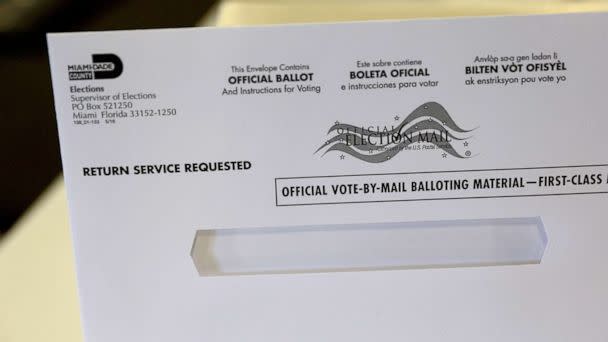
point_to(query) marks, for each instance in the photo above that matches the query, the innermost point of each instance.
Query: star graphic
(396, 117)
(466, 143)
(444, 123)
(444, 155)
(337, 122)
(388, 157)
(341, 157)
(430, 119)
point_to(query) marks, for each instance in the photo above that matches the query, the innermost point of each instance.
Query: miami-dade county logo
(428, 127)
(104, 66)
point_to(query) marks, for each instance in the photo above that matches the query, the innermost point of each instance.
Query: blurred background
(38, 296)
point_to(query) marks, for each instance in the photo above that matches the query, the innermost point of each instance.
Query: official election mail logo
(103, 66)
(428, 128)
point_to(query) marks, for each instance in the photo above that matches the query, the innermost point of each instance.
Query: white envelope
(424, 180)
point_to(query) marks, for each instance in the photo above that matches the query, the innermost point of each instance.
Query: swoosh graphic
(410, 130)
(430, 109)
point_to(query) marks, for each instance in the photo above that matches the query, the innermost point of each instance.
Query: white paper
(167, 132)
